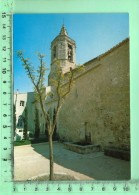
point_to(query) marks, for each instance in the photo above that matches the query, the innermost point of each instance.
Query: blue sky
(94, 34)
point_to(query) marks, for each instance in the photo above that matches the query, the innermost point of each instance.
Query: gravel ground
(33, 161)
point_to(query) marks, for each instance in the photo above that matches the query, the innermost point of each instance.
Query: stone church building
(97, 109)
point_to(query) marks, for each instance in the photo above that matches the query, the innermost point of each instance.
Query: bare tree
(62, 84)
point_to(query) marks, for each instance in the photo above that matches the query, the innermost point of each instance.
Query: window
(22, 103)
(20, 130)
(54, 52)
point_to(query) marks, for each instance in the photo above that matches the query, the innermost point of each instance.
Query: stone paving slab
(33, 160)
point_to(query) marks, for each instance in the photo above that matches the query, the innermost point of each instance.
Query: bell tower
(63, 50)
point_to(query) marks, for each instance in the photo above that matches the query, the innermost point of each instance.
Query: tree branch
(69, 84)
(37, 87)
(61, 96)
(40, 71)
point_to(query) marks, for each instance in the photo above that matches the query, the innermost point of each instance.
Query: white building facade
(25, 109)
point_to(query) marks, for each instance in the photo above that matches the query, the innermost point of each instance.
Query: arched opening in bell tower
(70, 53)
(54, 52)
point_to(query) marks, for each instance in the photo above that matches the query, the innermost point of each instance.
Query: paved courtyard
(33, 160)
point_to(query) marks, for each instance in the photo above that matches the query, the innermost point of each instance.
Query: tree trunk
(51, 157)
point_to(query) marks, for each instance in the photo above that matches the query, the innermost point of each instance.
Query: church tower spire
(63, 31)
(63, 50)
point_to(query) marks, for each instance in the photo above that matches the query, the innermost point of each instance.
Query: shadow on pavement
(94, 165)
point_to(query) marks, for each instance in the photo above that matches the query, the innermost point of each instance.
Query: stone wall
(98, 106)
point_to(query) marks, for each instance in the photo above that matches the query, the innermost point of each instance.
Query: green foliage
(22, 142)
